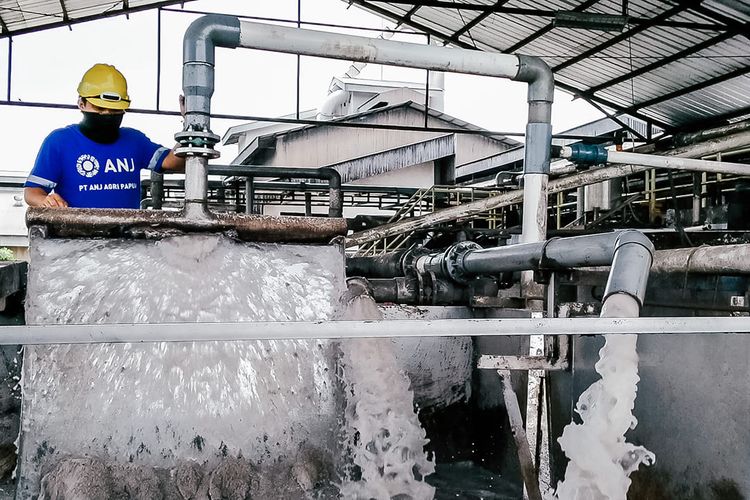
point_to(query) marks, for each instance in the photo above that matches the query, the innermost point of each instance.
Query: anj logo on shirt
(87, 165)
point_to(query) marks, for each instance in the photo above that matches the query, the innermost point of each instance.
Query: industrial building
(375, 298)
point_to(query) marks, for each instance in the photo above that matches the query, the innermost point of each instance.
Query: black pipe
(336, 203)
(157, 190)
(629, 252)
(379, 266)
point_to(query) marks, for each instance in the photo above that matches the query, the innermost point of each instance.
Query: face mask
(100, 127)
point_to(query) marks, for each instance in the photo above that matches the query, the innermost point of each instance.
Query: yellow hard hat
(104, 86)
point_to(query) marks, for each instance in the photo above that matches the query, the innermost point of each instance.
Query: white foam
(381, 427)
(601, 461)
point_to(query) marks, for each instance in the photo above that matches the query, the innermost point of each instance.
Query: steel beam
(605, 102)
(738, 27)
(481, 17)
(585, 5)
(92, 17)
(686, 90)
(663, 62)
(623, 36)
(310, 330)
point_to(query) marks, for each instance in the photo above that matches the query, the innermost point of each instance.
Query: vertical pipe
(299, 25)
(157, 190)
(308, 203)
(519, 435)
(249, 195)
(580, 204)
(427, 92)
(10, 66)
(696, 198)
(652, 194)
(534, 208)
(196, 187)
(158, 57)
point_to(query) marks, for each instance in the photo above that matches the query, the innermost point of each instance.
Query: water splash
(270, 407)
(601, 461)
(381, 427)
(159, 404)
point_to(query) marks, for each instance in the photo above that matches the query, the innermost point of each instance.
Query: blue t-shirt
(88, 174)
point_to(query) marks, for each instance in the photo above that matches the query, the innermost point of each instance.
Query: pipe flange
(205, 152)
(454, 258)
(196, 143)
(409, 260)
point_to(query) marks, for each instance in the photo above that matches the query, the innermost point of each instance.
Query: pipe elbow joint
(631, 265)
(539, 76)
(208, 32)
(333, 176)
(633, 236)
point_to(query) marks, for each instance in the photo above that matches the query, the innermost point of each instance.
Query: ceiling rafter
(622, 36)
(738, 27)
(93, 17)
(400, 19)
(690, 88)
(481, 17)
(585, 5)
(619, 109)
(662, 62)
(66, 17)
(716, 120)
(488, 9)
(3, 26)
(568, 88)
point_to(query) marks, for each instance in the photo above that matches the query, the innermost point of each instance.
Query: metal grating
(677, 64)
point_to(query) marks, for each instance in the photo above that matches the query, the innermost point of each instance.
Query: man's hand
(54, 200)
(38, 197)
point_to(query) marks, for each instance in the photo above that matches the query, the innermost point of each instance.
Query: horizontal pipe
(378, 266)
(336, 197)
(315, 43)
(555, 186)
(591, 153)
(629, 251)
(557, 253)
(285, 330)
(152, 224)
(690, 164)
(722, 260)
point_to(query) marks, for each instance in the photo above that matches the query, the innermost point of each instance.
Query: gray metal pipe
(336, 197)
(595, 154)
(723, 260)
(282, 330)
(629, 252)
(536, 164)
(157, 190)
(209, 32)
(196, 139)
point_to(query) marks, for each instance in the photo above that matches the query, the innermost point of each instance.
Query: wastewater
(260, 419)
(600, 459)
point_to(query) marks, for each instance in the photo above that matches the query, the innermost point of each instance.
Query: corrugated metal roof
(678, 64)
(25, 16)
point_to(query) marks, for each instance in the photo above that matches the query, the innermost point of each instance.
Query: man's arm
(38, 197)
(173, 163)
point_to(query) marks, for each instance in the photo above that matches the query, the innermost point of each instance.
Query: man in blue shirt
(96, 163)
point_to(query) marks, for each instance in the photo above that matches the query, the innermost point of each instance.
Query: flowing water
(601, 461)
(218, 419)
(383, 432)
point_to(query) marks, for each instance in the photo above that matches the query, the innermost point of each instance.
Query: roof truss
(690, 14)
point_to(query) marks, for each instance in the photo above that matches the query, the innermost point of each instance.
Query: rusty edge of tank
(156, 224)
